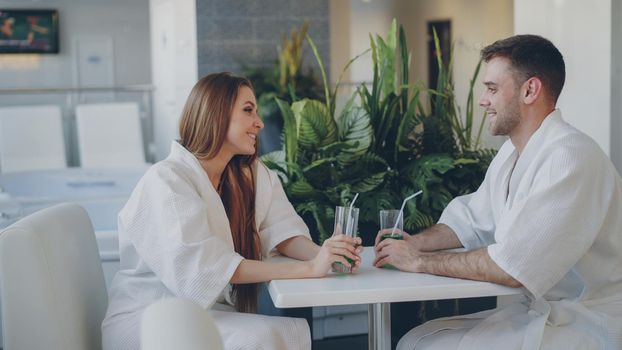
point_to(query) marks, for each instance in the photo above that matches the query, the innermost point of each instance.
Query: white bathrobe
(175, 241)
(552, 219)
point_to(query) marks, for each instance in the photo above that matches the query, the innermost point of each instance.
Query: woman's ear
(531, 90)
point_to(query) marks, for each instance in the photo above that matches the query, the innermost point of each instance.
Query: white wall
(616, 85)
(373, 17)
(340, 29)
(174, 65)
(475, 23)
(126, 22)
(581, 30)
(122, 26)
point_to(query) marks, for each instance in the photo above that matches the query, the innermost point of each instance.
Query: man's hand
(402, 254)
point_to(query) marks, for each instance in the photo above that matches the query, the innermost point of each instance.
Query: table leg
(379, 320)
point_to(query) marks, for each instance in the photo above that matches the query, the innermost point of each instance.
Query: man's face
(501, 97)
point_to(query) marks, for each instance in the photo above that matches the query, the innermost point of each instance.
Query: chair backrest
(109, 134)
(177, 323)
(51, 281)
(31, 138)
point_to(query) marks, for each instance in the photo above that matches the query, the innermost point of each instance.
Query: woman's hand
(336, 249)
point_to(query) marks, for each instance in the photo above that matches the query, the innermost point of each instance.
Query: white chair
(31, 138)
(177, 323)
(51, 282)
(109, 134)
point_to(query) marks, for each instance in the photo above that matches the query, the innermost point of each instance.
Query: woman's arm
(334, 249)
(298, 247)
(254, 271)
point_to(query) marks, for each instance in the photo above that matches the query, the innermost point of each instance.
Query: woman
(199, 223)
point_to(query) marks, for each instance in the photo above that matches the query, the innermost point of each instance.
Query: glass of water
(388, 219)
(346, 222)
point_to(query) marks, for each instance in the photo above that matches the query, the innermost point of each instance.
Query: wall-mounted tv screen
(28, 31)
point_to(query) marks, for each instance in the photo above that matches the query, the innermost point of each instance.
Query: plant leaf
(290, 131)
(321, 215)
(321, 173)
(386, 59)
(355, 130)
(408, 124)
(301, 189)
(276, 161)
(323, 71)
(463, 161)
(367, 173)
(335, 148)
(316, 128)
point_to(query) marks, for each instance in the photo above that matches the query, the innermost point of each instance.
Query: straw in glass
(349, 220)
(399, 216)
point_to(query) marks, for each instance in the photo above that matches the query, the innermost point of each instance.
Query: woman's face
(245, 124)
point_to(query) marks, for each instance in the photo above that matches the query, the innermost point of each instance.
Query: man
(548, 218)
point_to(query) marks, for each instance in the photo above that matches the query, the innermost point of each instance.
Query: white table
(43, 186)
(102, 192)
(377, 288)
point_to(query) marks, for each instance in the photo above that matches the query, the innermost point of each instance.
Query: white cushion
(109, 134)
(31, 138)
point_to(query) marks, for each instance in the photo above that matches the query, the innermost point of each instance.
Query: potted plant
(391, 139)
(287, 81)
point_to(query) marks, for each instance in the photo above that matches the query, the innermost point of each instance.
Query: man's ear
(531, 90)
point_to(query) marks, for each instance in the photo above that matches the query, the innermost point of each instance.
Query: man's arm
(437, 237)
(474, 265)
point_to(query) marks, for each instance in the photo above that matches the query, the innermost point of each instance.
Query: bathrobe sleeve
(166, 220)
(279, 220)
(471, 217)
(552, 226)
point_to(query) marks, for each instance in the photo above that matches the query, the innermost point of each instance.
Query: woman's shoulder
(169, 173)
(165, 169)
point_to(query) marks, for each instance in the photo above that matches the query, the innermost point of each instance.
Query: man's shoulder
(567, 141)
(570, 151)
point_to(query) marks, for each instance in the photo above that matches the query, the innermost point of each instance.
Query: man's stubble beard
(506, 120)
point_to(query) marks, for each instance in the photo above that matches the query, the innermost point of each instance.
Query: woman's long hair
(203, 128)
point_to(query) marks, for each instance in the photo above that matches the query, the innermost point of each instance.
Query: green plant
(324, 161)
(445, 117)
(290, 57)
(285, 80)
(390, 140)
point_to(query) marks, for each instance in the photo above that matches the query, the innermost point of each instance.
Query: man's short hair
(531, 56)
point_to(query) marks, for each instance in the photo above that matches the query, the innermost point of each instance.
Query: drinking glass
(387, 223)
(346, 222)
